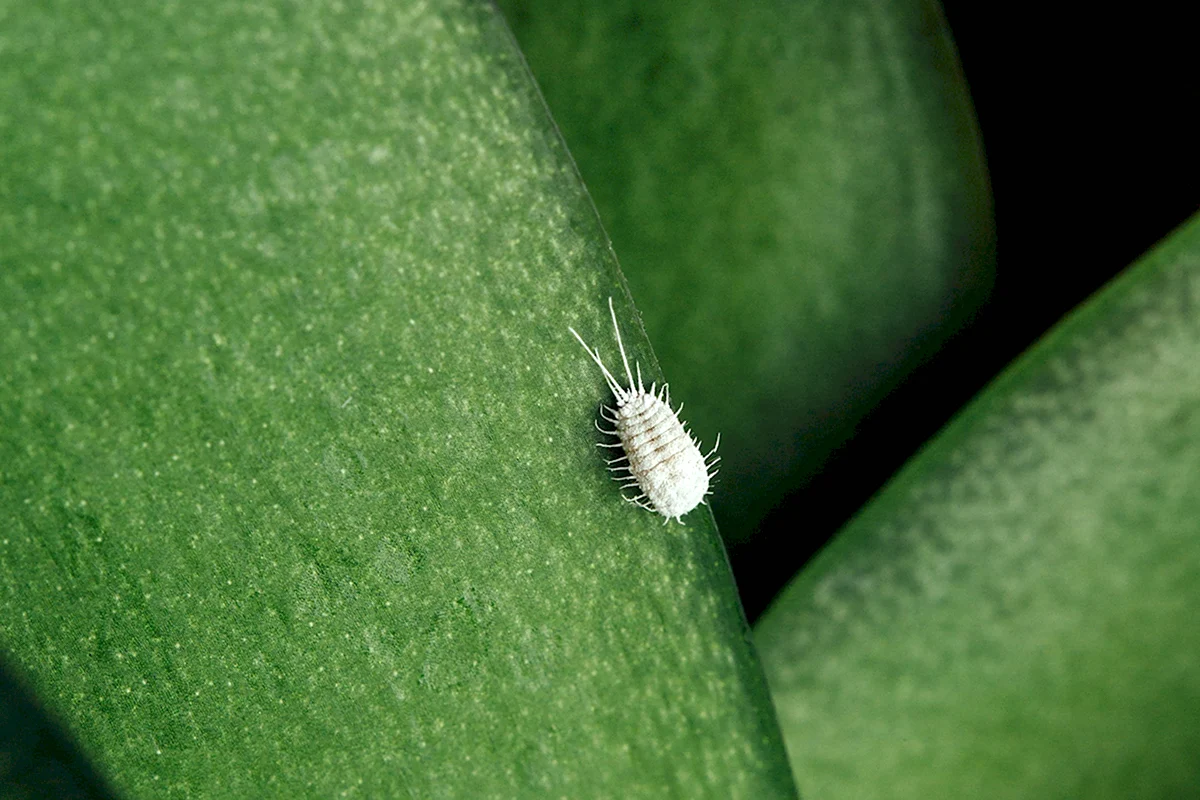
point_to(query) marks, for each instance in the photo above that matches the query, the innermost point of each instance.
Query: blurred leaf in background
(297, 467)
(797, 194)
(1015, 615)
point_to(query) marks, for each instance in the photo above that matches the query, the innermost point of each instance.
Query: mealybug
(661, 457)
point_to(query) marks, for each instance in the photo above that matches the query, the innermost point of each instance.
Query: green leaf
(296, 453)
(1015, 614)
(797, 194)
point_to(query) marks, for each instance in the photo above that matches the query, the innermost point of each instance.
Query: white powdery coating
(661, 457)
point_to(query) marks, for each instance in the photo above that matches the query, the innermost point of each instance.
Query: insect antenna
(613, 386)
(621, 346)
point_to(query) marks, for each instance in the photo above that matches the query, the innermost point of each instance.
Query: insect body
(661, 457)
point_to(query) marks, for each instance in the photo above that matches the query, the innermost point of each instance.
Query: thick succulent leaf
(798, 197)
(1015, 614)
(297, 473)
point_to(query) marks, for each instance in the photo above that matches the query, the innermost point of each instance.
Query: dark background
(1087, 123)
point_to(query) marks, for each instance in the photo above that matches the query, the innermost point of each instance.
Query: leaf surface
(1015, 614)
(296, 453)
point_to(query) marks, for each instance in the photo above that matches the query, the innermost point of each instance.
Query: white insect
(661, 457)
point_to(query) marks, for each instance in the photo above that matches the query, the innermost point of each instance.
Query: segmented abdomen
(663, 457)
